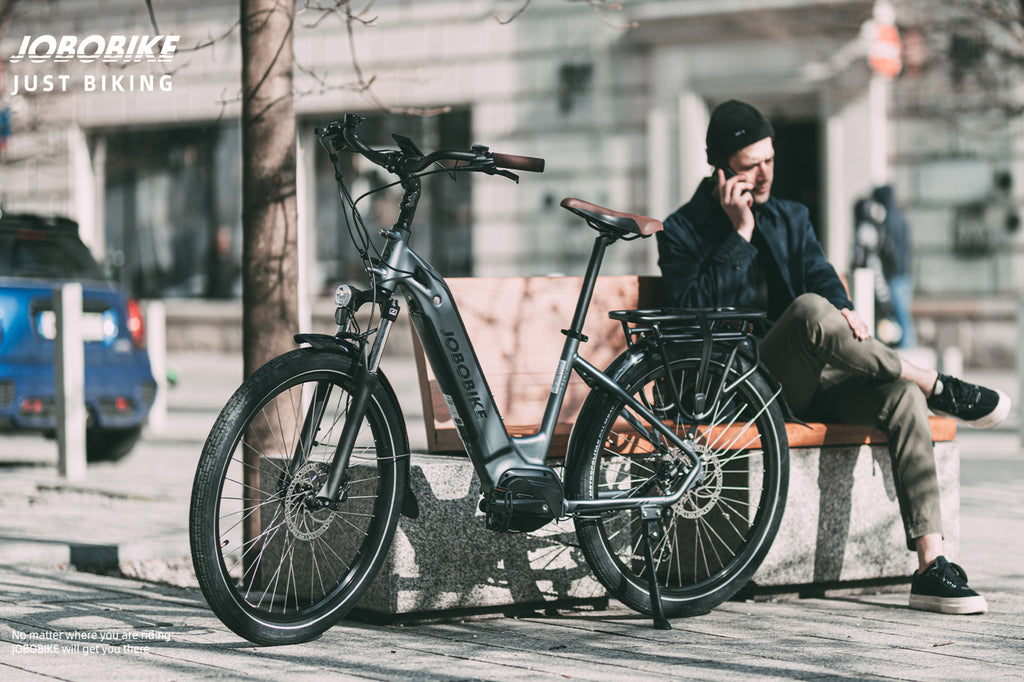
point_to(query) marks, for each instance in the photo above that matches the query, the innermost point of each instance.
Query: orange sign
(884, 53)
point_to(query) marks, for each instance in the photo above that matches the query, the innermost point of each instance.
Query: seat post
(534, 448)
(589, 282)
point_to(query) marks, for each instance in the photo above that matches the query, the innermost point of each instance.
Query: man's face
(756, 165)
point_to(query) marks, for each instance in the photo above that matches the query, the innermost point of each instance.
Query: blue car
(36, 255)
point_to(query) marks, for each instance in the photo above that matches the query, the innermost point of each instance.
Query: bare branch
(152, 16)
(326, 86)
(515, 15)
(212, 41)
(335, 9)
(600, 6)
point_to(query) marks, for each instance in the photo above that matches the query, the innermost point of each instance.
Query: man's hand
(735, 198)
(857, 324)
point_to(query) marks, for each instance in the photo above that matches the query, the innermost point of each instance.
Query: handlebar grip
(530, 164)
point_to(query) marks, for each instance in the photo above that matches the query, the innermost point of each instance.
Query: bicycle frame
(450, 353)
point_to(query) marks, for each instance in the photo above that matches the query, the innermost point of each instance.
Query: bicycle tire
(716, 536)
(273, 567)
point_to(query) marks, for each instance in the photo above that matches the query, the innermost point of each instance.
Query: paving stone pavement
(58, 623)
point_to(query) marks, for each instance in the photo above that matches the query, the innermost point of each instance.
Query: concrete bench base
(842, 521)
(842, 526)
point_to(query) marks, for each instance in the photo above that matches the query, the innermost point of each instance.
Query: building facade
(146, 155)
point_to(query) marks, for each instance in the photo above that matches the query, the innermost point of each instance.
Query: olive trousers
(827, 374)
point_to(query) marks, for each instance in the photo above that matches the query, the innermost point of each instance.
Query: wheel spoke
(277, 559)
(703, 553)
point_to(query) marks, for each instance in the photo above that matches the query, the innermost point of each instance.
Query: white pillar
(69, 376)
(863, 294)
(84, 197)
(878, 139)
(693, 159)
(661, 175)
(837, 208)
(305, 178)
(1020, 366)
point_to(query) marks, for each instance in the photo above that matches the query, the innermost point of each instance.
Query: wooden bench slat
(513, 322)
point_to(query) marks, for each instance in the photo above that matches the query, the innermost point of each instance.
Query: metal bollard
(156, 344)
(863, 294)
(69, 375)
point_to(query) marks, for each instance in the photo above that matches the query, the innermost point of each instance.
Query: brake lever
(492, 170)
(334, 137)
(485, 165)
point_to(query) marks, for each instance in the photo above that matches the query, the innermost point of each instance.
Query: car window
(47, 255)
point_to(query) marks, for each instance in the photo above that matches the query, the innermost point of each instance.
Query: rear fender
(631, 358)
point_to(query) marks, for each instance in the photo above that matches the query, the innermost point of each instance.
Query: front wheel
(717, 535)
(275, 566)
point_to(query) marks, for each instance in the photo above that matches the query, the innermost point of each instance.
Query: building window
(172, 210)
(173, 206)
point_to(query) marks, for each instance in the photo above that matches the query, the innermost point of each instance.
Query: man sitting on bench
(733, 244)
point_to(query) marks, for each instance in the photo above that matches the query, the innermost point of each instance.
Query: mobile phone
(729, 173)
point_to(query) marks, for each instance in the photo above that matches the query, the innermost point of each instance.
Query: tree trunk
(269, 218)
(269, 226)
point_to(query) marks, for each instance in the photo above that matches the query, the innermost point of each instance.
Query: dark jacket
(704, 262)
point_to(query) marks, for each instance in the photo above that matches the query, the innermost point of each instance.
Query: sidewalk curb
(90, 556)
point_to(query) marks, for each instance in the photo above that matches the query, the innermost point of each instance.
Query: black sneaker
(975, 406)
(943, 588)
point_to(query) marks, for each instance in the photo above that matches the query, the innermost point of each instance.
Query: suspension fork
(365, 380)
(310, 425)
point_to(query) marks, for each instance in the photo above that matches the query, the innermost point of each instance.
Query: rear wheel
(717, 535)
(276, 567)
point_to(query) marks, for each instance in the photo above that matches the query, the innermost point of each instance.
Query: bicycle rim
(275, 566)
(716, 536)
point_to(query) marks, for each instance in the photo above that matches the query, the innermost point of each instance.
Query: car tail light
(135, 326)
(31, 407)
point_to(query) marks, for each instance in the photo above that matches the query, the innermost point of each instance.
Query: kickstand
(652, 533)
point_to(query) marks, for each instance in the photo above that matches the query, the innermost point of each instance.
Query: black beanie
(733, 126)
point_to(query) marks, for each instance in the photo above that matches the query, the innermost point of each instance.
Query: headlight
(343, 295)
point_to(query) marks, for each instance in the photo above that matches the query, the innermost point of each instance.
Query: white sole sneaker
(994, 418)
(959, 606)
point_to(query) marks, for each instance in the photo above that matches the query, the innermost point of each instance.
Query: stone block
(842, 520)
(842, 526)
(447, 559)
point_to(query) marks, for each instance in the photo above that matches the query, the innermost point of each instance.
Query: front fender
(328, 342)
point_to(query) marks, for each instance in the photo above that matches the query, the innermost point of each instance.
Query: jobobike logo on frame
(122, 50)
(117, 48)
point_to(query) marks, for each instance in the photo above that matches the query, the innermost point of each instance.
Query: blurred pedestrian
(882, 244)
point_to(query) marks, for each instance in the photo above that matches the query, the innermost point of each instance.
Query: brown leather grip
(524, 163)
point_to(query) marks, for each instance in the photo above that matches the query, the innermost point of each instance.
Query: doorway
(798, 173)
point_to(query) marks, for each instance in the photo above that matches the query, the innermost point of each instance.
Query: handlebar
(531, 164)
(407, 162)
